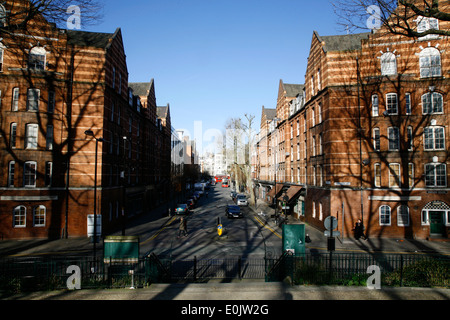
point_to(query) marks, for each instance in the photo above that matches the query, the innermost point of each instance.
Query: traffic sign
(330, 223)
(333, 233)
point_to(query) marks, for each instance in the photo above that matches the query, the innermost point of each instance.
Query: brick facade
(56, 84)
(393, 172)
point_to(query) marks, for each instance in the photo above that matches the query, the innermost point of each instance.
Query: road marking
(267, 227)
(153, 237)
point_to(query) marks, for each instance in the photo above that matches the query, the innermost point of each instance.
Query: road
(246, 237)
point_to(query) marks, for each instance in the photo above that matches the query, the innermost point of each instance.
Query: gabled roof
(270, 113)
(161, 112)
(342, 42)
(140, 89)
(293, 90)
(89, 39)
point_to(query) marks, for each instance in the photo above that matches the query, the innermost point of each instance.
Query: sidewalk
(350, 244)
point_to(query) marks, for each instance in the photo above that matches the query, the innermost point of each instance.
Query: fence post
(401, 270)
(195, 268)
(240, 267)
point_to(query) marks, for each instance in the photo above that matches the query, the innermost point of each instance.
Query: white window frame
(20, 217)
(433, 168)
(433, 102)
(32, 136)
(29, 176)
(33, 99)
(393, 137)
(392, 106)
(405, 214)
(39, 216)
(11, 174)
(375, 105)
(37, 58)
(395, 179)
(431, 137)
(384, 211)
(408, 105)
(388, 64)
(430, 63)
(15, 99)
(377, 175)
(376, 139)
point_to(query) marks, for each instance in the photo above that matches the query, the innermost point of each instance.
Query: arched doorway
(436, 214)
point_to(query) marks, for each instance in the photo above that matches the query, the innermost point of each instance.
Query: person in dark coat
(359, 230)
(183, 228)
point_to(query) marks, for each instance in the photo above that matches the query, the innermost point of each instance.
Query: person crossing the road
(182, 230)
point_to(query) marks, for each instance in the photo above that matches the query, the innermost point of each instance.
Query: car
(182, 209)
(233, 194)
(233, 211)
(196, 195)
(191, 204)
(241, 200)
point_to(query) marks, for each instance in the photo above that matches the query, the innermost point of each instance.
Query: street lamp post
(275, 120)
(90, 133)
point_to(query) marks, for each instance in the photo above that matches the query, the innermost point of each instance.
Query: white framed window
(410, 141)
(29, 174)
(394, 138)
(13, 135)
(375, 106)
(432, 102)
(391, 103)
(39, 215)
(408, 104)
(411, 175)
(49, 138)
(20, 217)
(31, 139)
(385, 216)
(388, 64)
(403, 216)
(11, 173)
(436, 175)
(394, 175)
(377, 175)
(376, 139)
(15, 99)
(424, 24)
(33, 97)
(430, 63)
(434, 138)
(37, 58)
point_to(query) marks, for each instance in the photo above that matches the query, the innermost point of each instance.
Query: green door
(436, 222)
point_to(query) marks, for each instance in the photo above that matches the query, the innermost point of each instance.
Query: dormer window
(424, 24)
(36, 58)
(388, 64)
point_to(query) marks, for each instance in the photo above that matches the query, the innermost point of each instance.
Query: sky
(213, 60)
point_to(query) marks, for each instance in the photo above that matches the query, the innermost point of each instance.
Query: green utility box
(121, 249)
(294, 239)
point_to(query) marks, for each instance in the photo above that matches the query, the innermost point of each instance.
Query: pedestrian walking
(359, 230)
(182, 228)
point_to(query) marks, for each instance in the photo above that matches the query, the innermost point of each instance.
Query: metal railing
(37, 274)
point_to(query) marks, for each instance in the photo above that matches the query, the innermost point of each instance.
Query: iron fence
(50, 273)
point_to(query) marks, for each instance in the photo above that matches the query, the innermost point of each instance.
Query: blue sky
(212, 60)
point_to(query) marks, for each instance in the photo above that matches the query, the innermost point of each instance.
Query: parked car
(196, 195)
(191, 204)
(233, 211)
(182, 209)
(241, 200)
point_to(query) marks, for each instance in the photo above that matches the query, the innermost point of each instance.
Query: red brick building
(369, 139)
(55, 86)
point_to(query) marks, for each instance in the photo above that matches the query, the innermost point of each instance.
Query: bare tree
(19, 14)
(401, 17)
